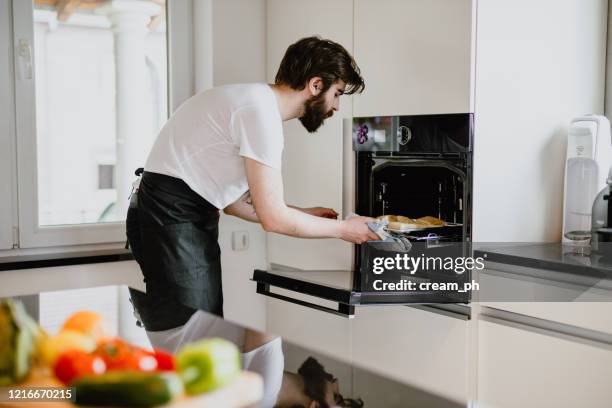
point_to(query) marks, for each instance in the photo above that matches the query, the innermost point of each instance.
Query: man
(221, 150)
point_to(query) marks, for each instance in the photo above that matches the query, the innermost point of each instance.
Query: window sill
(76, 255)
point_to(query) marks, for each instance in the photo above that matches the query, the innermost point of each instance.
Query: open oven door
(396, 283)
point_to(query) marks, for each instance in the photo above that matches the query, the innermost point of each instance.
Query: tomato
(165, 361)
(119, 355)
(73, 364)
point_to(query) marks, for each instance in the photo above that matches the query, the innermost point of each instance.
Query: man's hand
(356, 230)
(320, 212)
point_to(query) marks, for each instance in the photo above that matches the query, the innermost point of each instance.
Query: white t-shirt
(205, 141)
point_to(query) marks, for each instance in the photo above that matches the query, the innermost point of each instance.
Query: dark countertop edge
(46, 260)
(531, 262)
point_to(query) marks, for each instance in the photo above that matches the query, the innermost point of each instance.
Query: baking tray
(416, 228)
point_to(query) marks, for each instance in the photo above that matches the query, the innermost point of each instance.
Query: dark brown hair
(315, 57)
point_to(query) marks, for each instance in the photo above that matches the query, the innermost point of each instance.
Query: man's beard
(315, 113)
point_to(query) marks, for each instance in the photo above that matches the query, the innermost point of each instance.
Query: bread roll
(431, 221)
(399, 222)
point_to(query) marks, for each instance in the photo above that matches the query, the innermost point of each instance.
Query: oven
(416, 166)
(412, 166)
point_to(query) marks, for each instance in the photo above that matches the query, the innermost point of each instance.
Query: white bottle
(581, 189)
(589, 149)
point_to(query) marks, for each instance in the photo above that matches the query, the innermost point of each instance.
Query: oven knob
(404, 135)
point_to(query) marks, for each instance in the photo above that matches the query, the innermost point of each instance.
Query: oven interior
(416, 187)
(419, 188)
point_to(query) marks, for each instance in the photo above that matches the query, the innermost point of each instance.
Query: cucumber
(128, 389)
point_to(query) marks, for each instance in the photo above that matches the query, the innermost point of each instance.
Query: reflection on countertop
(544, 272)
(551, 256)
(354, 385)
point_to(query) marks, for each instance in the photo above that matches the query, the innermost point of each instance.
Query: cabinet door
(312, 163)
(520, 367)
(524, 291)
(415, 56)
(310, 328)
(422, 348)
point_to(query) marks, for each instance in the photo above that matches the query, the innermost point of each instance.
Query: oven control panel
(436, 134)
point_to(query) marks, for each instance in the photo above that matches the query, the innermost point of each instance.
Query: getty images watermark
(406, 264)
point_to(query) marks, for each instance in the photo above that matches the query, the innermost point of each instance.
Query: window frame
(180, 87)
(8, 200)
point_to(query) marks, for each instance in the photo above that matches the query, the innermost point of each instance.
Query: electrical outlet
(240, 240)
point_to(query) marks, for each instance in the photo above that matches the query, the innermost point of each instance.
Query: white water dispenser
(589, 156)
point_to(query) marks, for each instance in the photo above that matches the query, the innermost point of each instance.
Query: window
(8, 198)
(91, 93)
(106, 177)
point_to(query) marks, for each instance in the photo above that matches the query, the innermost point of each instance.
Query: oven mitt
(396, 243)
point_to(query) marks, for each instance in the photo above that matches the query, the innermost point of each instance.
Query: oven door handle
(343, 310)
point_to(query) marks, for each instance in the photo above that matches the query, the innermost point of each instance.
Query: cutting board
(245, 391)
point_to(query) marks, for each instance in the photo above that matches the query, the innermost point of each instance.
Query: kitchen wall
(238, 47)
(531, 80)
(608, 102)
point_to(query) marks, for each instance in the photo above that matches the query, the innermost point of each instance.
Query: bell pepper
(208, 364)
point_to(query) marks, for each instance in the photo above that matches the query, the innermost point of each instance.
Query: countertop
(355, 380)
(551, 256)
(544, 272)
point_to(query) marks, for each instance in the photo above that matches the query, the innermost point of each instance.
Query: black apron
(173, 233)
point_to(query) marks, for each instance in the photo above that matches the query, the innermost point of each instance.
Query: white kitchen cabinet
(415, 55)
(416, 58)
(552, 297)
(422, 348)
(521, 366)
(538, 65)
(310, 328)
(312, 163)
(425, 349)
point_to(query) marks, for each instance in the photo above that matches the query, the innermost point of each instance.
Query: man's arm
(243, 208)
(266, 187)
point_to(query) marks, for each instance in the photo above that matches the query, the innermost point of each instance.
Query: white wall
(608, 101)
(239, 56)
(538, 65)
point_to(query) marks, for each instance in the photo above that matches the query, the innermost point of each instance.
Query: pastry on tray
(431, 221)
(401, 223)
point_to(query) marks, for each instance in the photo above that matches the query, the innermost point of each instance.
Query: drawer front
(418, 347)
(310, 328)
(523, 367)
(526, 291)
